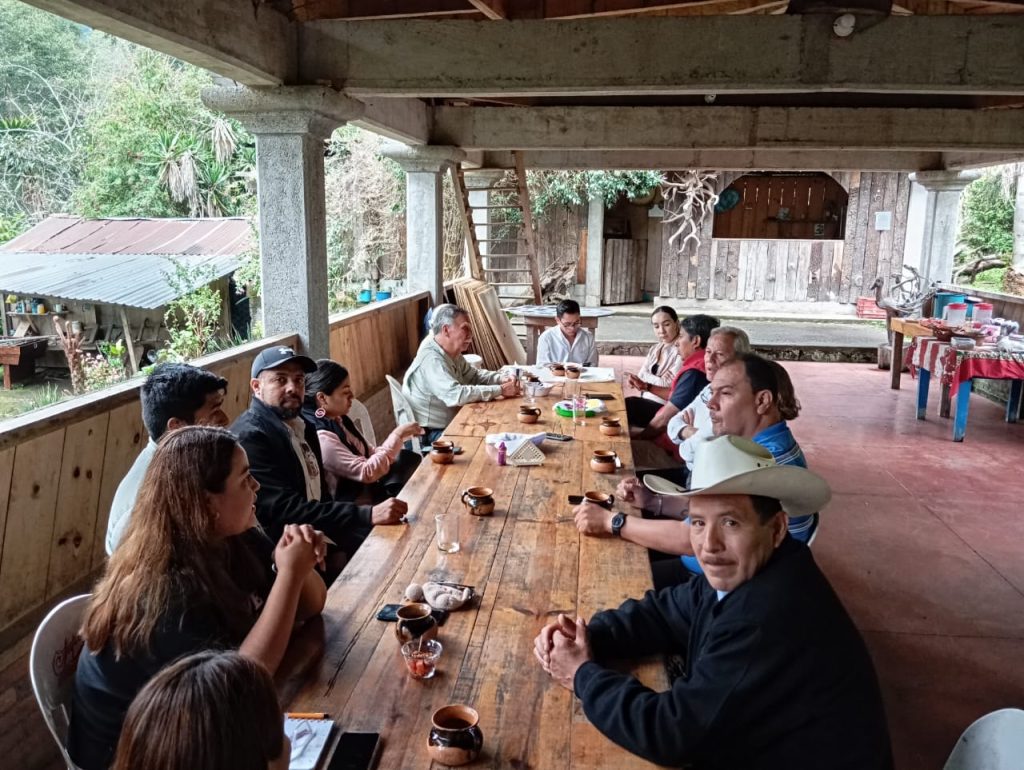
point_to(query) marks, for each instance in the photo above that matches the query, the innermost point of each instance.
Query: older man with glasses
(567, 342)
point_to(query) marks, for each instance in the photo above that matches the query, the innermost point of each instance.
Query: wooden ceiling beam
(492, 9)
(362, 10)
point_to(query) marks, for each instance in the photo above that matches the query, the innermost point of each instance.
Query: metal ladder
(510, 265)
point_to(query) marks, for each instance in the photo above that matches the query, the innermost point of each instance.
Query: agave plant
(222, 139)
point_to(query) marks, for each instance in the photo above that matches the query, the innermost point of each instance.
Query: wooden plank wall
(60, 466)
(625, 266)
(809, 201)
(59, 469)
(379, 339)
(797, 270)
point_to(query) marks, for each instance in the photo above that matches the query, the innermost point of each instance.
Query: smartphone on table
(356, 751)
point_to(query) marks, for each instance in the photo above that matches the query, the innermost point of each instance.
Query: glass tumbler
(447, 525)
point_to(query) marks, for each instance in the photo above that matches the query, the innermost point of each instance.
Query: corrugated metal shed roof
(118, 261)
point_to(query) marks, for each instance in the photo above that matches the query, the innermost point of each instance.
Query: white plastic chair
(360, 415)
(993, 742)
(403, 409)
(52, 664)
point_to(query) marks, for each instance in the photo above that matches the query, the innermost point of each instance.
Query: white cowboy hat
(730, 465)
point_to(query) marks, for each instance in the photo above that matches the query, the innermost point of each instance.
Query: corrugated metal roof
(136, 280)
(74, 235)
(118, 261)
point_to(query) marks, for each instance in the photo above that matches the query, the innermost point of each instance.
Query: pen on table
(307, 715)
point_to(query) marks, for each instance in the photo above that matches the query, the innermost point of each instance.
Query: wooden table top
(527, 562)
(910, 328)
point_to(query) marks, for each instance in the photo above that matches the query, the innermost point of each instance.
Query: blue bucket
(944, 298)
(365, 296)
(383, 295)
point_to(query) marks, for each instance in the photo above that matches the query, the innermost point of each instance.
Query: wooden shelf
(47, 313)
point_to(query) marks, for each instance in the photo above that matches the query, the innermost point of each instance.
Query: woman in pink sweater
(356, 471)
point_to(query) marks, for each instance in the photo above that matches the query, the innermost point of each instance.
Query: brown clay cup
(528, 414)
(414, 621)
(600, 498)
(603, 461)
(573, 372)
(479, 501)
(610, 426)
(558, 370)
(455, 736)
(442, 452)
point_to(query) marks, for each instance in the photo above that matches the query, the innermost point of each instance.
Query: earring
(320, 413)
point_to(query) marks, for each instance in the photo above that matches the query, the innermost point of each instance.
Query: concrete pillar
(290, 124)
(941, 218)
(595, 252)
(424, 167)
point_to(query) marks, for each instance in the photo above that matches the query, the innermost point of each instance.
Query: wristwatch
(618, 520)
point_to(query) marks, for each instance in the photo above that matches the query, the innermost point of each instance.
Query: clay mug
(414, 621)
(479, 501)
(442, 452)
(455, 737)
(528, 414)
(558, 370)
(600, 498)
(603, 461)
(573, 372)
(610, 426)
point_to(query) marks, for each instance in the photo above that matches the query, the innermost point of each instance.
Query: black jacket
(282, 496)
(777, 676)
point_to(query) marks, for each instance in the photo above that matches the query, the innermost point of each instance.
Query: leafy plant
(986, 224)
(574, 188)
(194, 318)
(106, 367)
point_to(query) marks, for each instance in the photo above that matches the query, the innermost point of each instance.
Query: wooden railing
(379, 339)
(60, 466)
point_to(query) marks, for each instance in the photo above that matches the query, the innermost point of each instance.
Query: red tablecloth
(954, 366)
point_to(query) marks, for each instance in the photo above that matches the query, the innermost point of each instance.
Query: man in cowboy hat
(777, 676)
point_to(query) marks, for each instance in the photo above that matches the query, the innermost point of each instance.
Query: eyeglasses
(572, 325)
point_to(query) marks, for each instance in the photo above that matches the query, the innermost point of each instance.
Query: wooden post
(128, 340)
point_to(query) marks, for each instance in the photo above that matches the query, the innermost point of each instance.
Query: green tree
(44, 95)
(986, 223)
(154, 149)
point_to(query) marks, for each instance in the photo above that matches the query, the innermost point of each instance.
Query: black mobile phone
(558, 437)
(601, 396)
(356, 751)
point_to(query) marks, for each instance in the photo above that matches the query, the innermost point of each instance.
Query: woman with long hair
(209, 711)
(648, 419)
(193, 572)
(654, 380)
(356, 471)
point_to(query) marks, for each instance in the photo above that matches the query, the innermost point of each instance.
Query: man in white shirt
(440, 380)
(693, 425)
(567, 341)
(173, 396)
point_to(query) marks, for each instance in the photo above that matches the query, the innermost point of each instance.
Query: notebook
(308, 737)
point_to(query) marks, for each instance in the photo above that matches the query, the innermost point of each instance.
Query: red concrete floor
(923, 541)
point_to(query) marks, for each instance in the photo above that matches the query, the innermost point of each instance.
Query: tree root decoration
(690, 197)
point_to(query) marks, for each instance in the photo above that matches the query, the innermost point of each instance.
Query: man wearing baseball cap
(284, 457)
(777, 676)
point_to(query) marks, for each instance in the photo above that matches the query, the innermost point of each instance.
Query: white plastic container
(955, 313)
(982, 313)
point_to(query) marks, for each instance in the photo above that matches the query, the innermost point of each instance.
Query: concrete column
(941, 218)
(424, 213)
(291, 125)
(595, 252)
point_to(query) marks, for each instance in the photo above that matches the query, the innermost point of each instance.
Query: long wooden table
(527, 562)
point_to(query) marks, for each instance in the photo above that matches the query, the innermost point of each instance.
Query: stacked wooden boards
(493, 336)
